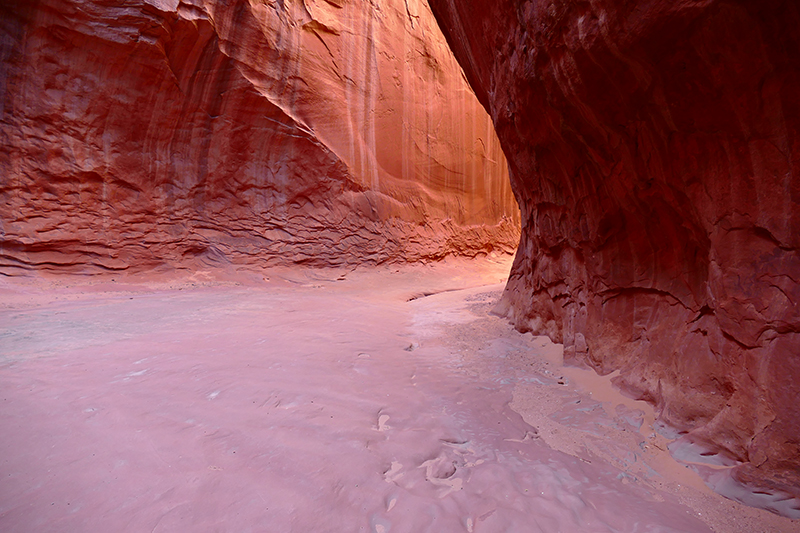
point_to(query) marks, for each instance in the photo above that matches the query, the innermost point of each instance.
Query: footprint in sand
(380, 525)
(391, 501)
(441, 472)
(382, 425)
(393, 473)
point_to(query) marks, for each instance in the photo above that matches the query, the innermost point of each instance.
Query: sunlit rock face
(654, 149)
(165, 132)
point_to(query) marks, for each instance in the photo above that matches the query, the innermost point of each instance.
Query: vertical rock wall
(139, 133)
(654, 148)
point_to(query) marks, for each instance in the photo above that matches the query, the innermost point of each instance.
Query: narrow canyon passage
(172, 170)
(315, 400)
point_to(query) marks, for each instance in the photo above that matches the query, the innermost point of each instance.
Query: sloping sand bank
(319, 400)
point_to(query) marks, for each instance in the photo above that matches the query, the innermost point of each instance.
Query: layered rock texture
(654, 148)
(140, 133)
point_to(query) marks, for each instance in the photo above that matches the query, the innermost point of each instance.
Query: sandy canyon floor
(298, 400)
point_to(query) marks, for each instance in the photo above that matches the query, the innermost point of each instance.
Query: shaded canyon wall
(654, 150)
(140, 133)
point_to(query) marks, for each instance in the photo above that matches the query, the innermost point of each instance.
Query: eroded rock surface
(150, 132)
(654, 150)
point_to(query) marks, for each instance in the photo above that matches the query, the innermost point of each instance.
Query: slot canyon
(399, 265)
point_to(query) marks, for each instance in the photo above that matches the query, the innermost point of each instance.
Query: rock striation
(654, 148)
(171, 132)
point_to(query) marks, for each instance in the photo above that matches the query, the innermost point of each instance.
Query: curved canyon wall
(654, 150)
(171, 132)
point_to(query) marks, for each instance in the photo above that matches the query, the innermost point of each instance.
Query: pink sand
(313, 401)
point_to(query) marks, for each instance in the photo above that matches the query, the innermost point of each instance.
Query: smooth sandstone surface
(149, 133)
(654, 150)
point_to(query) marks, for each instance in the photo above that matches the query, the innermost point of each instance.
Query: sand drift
(326, 401)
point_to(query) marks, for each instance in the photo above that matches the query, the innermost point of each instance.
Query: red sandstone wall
(138, 133)
(654, 149)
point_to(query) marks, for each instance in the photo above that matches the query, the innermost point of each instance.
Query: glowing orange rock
(259, 132)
